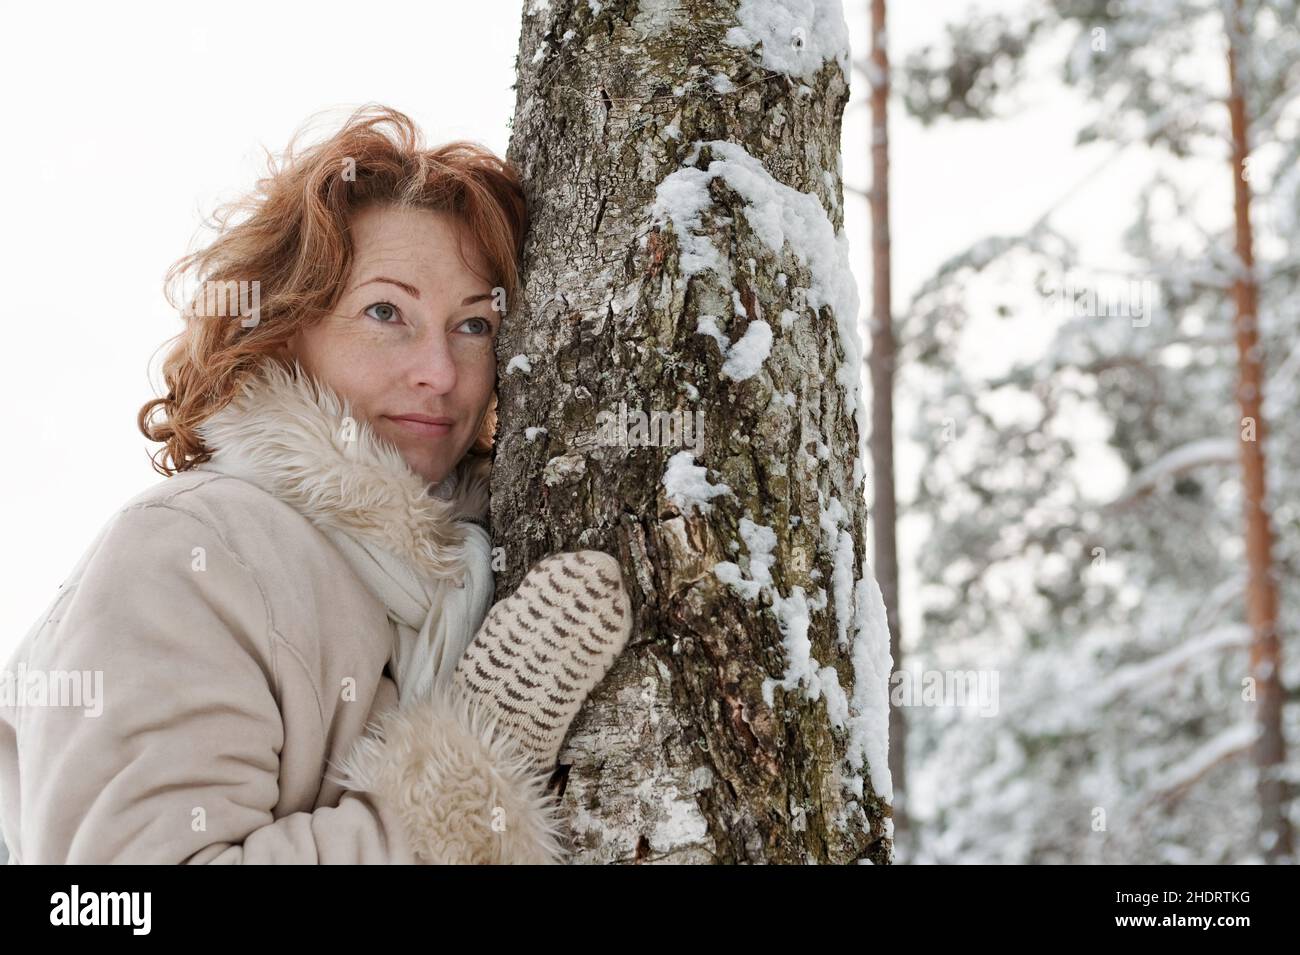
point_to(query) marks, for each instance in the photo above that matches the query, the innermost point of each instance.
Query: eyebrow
(414, 292)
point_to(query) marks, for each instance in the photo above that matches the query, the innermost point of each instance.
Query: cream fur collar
(293, 436)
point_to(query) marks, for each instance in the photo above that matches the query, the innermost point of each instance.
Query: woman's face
(412, 337)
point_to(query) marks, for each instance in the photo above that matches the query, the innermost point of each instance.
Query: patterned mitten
(542, 649)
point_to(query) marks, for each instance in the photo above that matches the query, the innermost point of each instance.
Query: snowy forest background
(1068, 431)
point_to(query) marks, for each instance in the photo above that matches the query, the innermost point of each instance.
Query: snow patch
(863, 630)
(682, 197)
(798, 36)
(721, 83)
(708, 325)
(778, 214)
(872, 663)
(746, 357)
(687, 484)
(842, 586)
(730, 574)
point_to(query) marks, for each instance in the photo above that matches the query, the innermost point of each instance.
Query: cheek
(343, 357)
(477, 368)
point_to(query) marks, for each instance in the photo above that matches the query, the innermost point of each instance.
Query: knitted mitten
(542, 649)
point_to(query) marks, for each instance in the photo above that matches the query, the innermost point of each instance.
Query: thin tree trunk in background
(884, 511)
(687, 752)
(1261, 592)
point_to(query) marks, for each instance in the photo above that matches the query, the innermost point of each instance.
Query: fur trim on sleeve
(466, 792)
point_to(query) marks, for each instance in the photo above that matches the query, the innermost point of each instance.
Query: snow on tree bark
(686, 261)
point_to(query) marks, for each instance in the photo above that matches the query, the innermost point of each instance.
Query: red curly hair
(293, 238)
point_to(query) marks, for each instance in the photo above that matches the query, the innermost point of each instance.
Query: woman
(287, 632)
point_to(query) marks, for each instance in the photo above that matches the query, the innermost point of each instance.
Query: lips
(424, 425)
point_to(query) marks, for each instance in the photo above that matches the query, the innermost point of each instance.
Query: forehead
(431, 247)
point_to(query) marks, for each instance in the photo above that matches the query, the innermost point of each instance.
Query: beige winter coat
(230, 658)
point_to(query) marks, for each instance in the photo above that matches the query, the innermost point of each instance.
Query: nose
(435, 365)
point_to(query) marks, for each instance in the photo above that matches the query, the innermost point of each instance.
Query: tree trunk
(885, 509)
(686, 256)
(1269, 750)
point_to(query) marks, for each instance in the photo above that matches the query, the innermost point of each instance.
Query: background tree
(881, 362)
(1117, 616)
(1261, 585)
(686, 257)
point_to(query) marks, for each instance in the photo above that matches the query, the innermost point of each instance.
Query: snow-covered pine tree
(687, 262)
(1118, 624)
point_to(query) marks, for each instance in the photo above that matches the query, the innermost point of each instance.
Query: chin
(417, 458)
(431, 474)
(428, 472)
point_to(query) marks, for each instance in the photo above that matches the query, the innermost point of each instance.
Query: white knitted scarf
(412, 544)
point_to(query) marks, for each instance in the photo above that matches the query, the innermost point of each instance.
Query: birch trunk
(705, 742)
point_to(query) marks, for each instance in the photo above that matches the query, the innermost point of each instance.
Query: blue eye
(389, 315)
(487, 326)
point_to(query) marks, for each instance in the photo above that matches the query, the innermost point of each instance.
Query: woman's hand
(467, 769)
(544, 648)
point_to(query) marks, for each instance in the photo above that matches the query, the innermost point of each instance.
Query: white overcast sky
(125, 126)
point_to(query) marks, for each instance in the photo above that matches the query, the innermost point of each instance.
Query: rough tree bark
(885, 508)
(685, 255)
(1269, 751)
